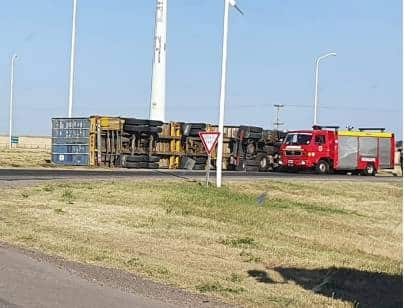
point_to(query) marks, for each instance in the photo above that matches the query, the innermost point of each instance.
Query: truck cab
(309, 149)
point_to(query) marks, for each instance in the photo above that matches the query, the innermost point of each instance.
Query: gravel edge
(124, 281)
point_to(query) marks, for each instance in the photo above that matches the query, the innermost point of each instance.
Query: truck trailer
(326, 149)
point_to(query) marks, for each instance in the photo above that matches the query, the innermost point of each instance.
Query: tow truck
(326, 150)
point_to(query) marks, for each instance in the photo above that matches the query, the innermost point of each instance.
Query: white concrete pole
(72, 59)
(219, 159)
(13, 58)
(158, 95)
(317, 86)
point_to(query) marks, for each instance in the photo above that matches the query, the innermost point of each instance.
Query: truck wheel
(322, 167)
(199, 167)
(370, 170)
(242, 166)
(133, 121)
(251, 169)
(251, 162)
(263, 163)
(250, 148)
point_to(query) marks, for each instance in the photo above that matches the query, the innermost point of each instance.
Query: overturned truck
(100, 141)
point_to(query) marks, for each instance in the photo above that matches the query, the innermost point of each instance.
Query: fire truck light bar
(318, 127)
(372, 128)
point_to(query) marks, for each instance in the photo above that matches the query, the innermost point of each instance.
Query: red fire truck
(326, 149)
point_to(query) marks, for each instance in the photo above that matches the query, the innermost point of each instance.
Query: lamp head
(233, 3)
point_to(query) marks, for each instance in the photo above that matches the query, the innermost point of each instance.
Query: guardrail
(26, 146)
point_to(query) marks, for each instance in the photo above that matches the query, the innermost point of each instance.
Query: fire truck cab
(325, 149)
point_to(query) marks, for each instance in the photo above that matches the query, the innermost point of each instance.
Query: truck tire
(199, 167)
(263, 163)
(142, 129)
(201, 160)
(132, 121)
(139, 159)
(322, 167)
(251, 162)
(153, 166)
(186, 129)
(194, 132)
(370, 170)
(242, 166)
(136, 158)
(187, 163)
(199, 126)
(250, 148)
(252, 129)
(251, 168)
(255, 136)
(141, 165)
(153, 159)
(270, 149)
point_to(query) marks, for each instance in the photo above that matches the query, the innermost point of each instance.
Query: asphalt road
(31, 279)
(26, 282)
(15, 175)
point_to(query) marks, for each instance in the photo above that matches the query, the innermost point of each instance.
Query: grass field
(269, 244)
(24, 158)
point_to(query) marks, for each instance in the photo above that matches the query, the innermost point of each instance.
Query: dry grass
(302, 238)
(24, 158)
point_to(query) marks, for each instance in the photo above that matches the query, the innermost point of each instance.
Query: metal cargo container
(70, 141)
(357, 147)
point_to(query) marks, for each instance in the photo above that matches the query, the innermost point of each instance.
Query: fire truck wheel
(370, 170)
(322, 167)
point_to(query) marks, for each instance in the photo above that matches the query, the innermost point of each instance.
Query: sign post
(209, 141)
(15, 140)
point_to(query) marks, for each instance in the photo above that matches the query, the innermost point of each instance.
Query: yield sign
(209, 140)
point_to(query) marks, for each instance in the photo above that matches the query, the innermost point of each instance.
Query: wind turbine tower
(158, 95)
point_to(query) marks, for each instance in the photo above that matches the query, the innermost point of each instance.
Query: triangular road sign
(209, 140)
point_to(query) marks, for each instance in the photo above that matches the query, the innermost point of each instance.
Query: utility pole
(278, 122)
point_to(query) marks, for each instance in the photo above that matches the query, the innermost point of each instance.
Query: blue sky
(271, 60)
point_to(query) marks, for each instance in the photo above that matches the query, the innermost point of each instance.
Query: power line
(292, 106)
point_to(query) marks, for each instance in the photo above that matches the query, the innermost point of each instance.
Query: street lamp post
(219, 159)
(13, 58)
(72, 59)
(316, 97)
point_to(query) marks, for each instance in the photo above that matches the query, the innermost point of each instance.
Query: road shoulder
(114, 285)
